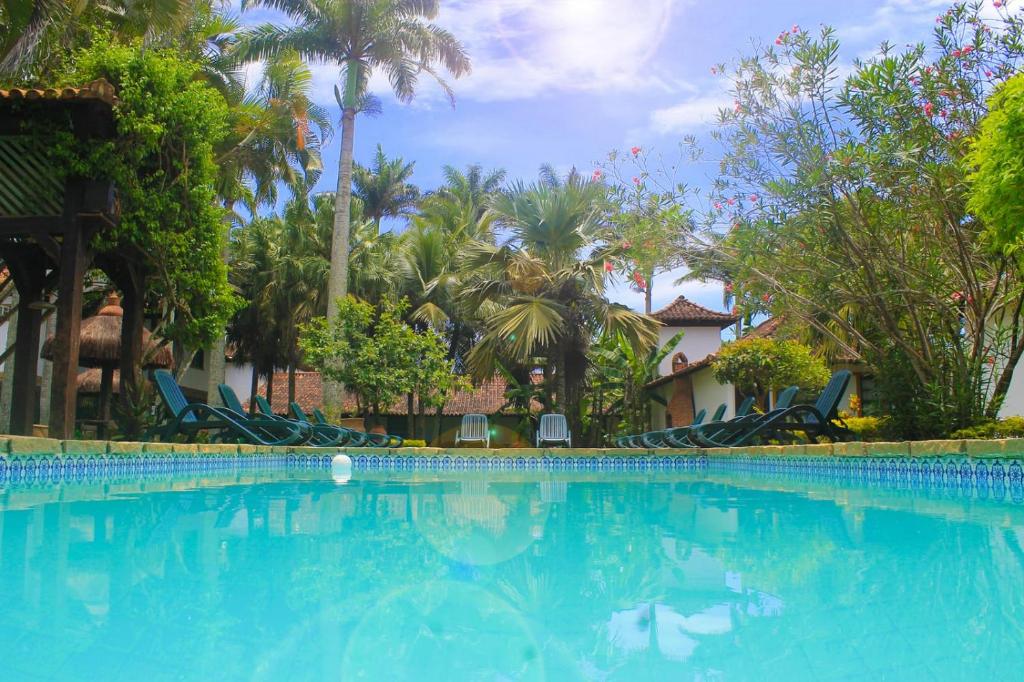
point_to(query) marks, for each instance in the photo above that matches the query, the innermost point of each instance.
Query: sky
(566, 81)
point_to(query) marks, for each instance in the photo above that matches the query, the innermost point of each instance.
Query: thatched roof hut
(90, 381)
(100, 338)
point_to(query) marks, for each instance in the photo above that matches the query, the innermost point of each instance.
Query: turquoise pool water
(508, 575)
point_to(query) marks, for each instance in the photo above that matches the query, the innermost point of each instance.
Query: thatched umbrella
(101, 348)
(90, 382)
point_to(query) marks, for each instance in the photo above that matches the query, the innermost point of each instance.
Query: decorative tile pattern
(960, 476)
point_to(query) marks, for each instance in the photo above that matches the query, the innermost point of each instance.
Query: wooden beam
(74, 260)
(29, 226)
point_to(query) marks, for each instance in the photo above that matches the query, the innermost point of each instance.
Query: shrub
(866, 428)
(414, 443)
(1011, 427)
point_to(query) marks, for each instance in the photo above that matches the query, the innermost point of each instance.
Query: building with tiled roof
(683, 312)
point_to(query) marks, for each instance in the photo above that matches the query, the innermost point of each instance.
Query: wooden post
(131, 336)
(66, 341)
(26, 360)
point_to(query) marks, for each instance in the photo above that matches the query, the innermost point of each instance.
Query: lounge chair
(189, 419)
(380, 440)
(474, 429)
(670, 437)
(316, 436)
(814, 421)
(679, 437)
(553, 430)
(706, 434)
(656, 439)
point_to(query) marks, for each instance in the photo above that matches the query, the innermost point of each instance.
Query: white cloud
(707, 294)
(522, 48)
(690, 115)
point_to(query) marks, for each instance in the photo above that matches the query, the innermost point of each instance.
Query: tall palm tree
(384, 187)
(547, 283)
(394, 36)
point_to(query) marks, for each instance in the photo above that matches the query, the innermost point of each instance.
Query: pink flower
(718, 206)
(997, 3)
(988, 74)
(597, 174)
(608, 266)
(990, 360)
(730, 201)
(767, 298)
(967, 50)
(795, 29)
(929, 108)
(714, 71)
(957, 297)
(626, 245)
(735, 310)
(956, 53)
(754, 198)
(640, 281)
(635, 150)
(943, 113)
(636, 180)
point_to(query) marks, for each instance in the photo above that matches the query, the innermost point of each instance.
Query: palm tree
(395, 36)
(473, 187)
(384, 187)
(547, 283)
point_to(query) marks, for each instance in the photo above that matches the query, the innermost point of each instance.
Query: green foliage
(414, 443)
(997, 178)
(867, 428)
(1011, 427)
(163, 166)
(757, 366)
(842, 206)
(377, 355)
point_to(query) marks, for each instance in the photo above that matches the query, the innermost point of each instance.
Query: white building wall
(1013, 405)
(697, 343)
(708, 394)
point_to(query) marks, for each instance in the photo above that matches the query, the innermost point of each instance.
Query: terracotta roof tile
(99, 89)
(765, 330)
(682, 371)
(682, 312)
(488, 398)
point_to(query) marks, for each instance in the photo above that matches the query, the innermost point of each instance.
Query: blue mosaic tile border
(997, 479)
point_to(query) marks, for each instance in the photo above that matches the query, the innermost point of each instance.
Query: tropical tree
(393, 36)
(384, 187)
(845, 198)
(757, 366)
(546, 285)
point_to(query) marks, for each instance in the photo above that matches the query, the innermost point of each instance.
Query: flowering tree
(649, 220)
(846, 205)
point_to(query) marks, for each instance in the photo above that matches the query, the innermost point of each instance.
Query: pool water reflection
(507, 575)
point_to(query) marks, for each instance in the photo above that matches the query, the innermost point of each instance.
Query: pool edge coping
(27, 446)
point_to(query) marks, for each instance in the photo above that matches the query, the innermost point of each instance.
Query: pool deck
(24, 446)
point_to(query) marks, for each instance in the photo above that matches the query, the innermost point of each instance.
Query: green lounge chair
(814, 421)
(474, 429)
(658, 439)
(679, 437)
(380, 440)
(315, 436)
(704, 435)
(553, 430)
(188, 419)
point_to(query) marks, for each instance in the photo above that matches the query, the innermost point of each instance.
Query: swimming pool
(615, 569)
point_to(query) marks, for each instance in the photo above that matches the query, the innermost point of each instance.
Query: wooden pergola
(47, 222)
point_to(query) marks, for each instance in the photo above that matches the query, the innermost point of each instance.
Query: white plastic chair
(553, 430)
(474, 429)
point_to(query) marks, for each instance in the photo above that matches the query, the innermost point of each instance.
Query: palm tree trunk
(410, 420)
(270, 386)
(648, 295)
(291, 382)
(337, 282)
(254, 388)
